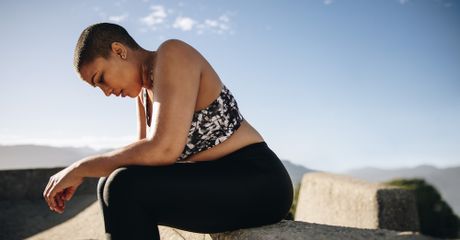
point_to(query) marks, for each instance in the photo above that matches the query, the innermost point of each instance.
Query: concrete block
(341, 200)
(297, 230)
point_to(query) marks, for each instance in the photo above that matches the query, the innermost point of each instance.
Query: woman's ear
(119, 49)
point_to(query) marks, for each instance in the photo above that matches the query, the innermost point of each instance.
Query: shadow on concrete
(20, 219)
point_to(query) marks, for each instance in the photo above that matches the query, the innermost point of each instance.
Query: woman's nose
(106, 91)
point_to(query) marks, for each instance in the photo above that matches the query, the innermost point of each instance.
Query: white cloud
(219, 25)
(101, 13)
(224, 18)
(184, 23)
(166, 18)
(211, 23)
(445, 3)
(327, 2)
(118, 19)
(223, 27)
(156, 17)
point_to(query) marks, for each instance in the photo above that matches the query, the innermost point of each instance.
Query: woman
(198, 164)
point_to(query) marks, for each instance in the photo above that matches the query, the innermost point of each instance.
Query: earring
(123, 56)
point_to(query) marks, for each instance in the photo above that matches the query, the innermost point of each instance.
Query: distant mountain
(446, 180)
(295, 171)
(29, 156)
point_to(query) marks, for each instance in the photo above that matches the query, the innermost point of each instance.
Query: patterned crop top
(212, 125)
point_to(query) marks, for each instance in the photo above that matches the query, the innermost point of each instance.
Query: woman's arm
(179, 68)
(141, 152)
(141, 128)
(62, 185)
(178, 73)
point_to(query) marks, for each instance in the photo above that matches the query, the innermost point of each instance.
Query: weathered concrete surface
(294, 230)
(341, 200)
(89, 225)
(30, 218)
(22, 184)
(82, 220)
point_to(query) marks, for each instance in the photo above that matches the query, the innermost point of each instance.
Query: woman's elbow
(164, 155)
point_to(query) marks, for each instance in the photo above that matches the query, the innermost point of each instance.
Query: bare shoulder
(173, 43)
(176, 79)
(176, 59)
(176, 47)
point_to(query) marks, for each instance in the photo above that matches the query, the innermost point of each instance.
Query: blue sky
(331, 85)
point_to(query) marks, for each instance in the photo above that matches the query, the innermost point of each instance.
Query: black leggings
(247, 188)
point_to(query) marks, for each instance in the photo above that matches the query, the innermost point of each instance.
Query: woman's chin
(125, 94)
(128, 95)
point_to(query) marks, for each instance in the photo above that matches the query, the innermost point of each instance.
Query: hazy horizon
(6, 164)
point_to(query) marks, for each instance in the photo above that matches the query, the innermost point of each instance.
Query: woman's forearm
(141, 122)
(141, 152)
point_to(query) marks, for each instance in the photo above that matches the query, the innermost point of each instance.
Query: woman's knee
(118, 185)
(100, 194)
(100, 188)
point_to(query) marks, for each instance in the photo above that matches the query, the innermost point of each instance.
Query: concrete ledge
(341, 200)
(30, 183)
(31, 219)
(88, 224)
(295, 230)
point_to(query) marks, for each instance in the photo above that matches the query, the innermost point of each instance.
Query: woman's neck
(147, 59)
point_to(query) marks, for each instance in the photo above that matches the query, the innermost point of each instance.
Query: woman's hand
(61, 187)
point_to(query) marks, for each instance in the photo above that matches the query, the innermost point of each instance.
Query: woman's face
(115, 75)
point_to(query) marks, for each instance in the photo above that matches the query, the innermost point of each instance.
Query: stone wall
(341, 200)
(347, 209)
(30, 183)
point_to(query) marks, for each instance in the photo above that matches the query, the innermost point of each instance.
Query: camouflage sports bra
(210, 126)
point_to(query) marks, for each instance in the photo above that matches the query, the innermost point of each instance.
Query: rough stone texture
(88, 225)
(82, 220)
(30, 218)
(397, 209)
(30, 183)
(341, 200)
(295, 230)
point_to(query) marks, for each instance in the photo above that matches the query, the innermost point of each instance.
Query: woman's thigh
(210, 196)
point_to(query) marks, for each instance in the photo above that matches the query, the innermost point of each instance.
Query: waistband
(258, 149)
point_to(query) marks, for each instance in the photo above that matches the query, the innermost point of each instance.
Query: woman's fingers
(60, 203)
(59, 200)
(52, 200)
(56, 201)
(60, 188)
(47, 189)
(50, 195)
(47, 193)
(69, 193)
